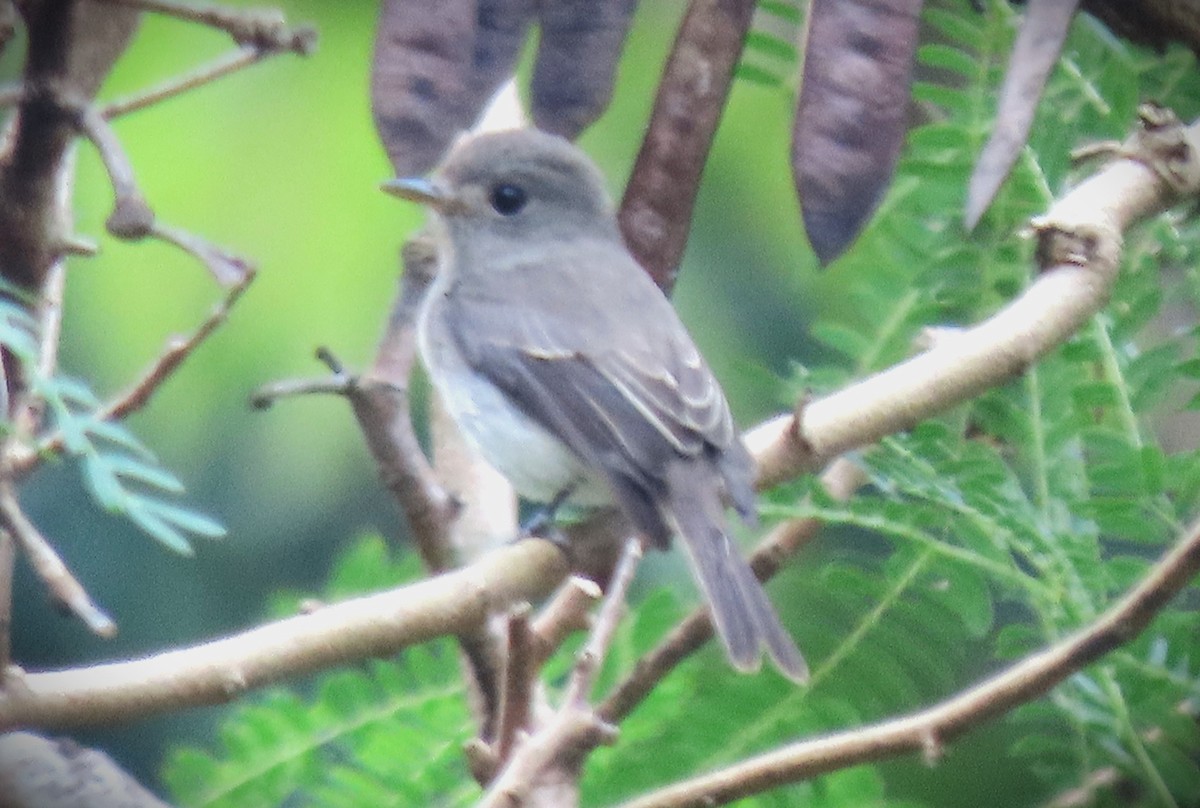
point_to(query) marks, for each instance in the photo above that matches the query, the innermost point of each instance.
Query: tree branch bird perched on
(569, 370)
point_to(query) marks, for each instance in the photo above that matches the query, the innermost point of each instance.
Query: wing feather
(625, 395)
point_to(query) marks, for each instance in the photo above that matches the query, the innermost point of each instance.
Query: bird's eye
(508, 199)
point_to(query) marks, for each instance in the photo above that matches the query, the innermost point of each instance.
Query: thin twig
(131, 217)
(605, 626)
(64, 588)
(228, 269)
(176, 352)
(1078, 254)
(23, 460)
(933, 727)
(575, 728)
(518, 683)
(566, 613)
(266, 28)
(1085, 794)
(265, 397)
(7, 562)
(231, 62)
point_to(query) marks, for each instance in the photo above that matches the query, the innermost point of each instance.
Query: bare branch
(217, 671)
(265, 29)
(64, 588)
(131, 217)
(265, 397)
(228, 269)
(519, 670)
(8, 555)
(175, 354)
(567, 612)
(553, 752)
(1024, 681)
(58, 62)
(611, 609)
(231, 62)
(382, 410)
(1080, 240)
(22, 459)
(37, 772)
(1085, 794)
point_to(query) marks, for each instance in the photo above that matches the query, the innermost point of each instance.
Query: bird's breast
(538, 465)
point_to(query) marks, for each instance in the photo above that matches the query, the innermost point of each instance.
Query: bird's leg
(541, 524)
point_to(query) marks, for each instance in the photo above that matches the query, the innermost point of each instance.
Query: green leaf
(139, 471)
(757, 75)
(183, 518)
(161, 530)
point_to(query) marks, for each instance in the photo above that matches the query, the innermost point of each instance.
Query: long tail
(743, 616)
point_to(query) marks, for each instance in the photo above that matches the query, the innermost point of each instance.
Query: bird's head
(519, 183)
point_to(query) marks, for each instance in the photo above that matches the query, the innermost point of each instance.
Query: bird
(568, 369)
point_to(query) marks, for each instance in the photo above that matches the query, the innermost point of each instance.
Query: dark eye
(507, 199)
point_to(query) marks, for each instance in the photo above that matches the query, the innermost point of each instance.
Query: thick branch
(58, 63)
(217, 671)
(1080, 251)
(37, 772)
(929, 729)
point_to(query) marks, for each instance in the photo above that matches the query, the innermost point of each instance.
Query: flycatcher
(569, 370)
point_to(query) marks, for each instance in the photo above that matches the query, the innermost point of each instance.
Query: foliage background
(281, 164)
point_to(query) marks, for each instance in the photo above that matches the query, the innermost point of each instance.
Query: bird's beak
(416, 189)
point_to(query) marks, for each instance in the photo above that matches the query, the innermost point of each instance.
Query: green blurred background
(280, 164)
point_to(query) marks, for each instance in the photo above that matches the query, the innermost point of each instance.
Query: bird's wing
(626, 393)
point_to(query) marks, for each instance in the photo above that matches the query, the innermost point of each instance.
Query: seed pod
(577, 61)
(852, 114)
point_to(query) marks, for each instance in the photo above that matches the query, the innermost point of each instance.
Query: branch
(527, 571)
(218, 671)
(444, 526)
(381, 405)
(177, 350)
(37, 772)
(22, 459)
(65, 589)
(1080, 239)
(566, 612)
(929, 729)
(1079, 252)
(265, 29)
(8, 556)
(551, 756)
(231, 62)
(517, 696)
(58, 62)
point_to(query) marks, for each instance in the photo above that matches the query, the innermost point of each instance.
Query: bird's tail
(742, 614)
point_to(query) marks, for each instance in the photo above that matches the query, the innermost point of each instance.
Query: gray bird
(569, 370)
